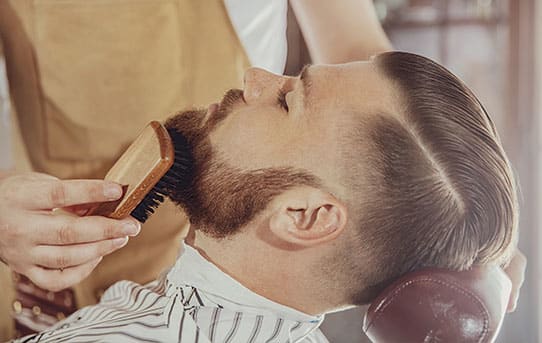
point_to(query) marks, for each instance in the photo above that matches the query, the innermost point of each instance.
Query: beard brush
(157, 161)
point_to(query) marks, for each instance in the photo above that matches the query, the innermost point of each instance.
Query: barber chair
(440, 306)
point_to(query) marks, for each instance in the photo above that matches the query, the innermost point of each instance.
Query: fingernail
(131, 228)
(112, 191)
(119, 242)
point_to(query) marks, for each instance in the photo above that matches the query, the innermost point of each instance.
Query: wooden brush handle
(141, 166)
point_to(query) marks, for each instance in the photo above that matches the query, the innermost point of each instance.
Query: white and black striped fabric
(194, 302)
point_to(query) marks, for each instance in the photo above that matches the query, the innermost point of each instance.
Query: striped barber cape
(194, 302)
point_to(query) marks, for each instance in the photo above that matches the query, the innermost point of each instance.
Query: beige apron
(86, 76)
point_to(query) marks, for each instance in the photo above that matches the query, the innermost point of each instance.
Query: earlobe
(319, 220)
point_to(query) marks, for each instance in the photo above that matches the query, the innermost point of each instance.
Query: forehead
(357, 87)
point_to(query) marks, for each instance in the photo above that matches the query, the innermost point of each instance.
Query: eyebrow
(304, 77)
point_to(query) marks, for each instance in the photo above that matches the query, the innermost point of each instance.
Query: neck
(278, 274)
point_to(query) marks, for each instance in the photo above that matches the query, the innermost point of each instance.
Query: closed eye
(281, 100)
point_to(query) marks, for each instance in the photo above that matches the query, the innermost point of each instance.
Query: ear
(307, 216)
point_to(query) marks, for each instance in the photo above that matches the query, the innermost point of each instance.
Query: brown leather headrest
(435, 305)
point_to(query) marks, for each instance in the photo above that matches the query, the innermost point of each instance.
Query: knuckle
(95, 191)
(61, 261)
(66, 233)
(109, 230)
(46, 261)
(57, 194)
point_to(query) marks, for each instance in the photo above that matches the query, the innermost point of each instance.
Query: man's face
(276, 133)
(304, 128)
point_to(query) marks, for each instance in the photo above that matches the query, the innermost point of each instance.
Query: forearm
(340, 31)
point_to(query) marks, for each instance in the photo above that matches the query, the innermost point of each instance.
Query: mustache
(230, 99)
(191, 124)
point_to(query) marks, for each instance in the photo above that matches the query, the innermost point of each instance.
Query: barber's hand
(516, 272)
(57, 249)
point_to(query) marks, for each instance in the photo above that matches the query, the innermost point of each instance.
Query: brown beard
(220, 199)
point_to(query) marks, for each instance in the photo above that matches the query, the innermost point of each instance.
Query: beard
(218, 198)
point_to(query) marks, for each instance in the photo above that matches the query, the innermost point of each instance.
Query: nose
(262, 86)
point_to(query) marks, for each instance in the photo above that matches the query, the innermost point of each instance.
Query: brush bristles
(179, 175)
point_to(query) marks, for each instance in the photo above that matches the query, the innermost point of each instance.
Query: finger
(57, 257)
(56, 280)
(67, 230)
(49, 194)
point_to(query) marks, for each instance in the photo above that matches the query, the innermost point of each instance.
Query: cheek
(252, 140)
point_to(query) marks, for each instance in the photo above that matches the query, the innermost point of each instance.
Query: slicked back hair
(442, 191)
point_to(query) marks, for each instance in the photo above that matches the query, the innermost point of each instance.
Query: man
(85, 76)
(311, 195)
